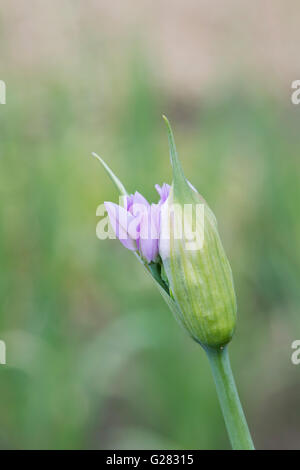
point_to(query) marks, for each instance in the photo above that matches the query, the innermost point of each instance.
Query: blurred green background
(94, 357)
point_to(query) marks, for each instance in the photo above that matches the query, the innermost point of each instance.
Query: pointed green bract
(200, 279)
(120, 187)
(181, 187)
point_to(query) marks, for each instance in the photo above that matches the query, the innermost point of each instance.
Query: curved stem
(234, 417)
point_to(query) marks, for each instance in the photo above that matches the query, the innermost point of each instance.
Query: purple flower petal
(139, 199)
(122, 223)
(128, 202)
(149, 233)
(137, 224)
(163, 192)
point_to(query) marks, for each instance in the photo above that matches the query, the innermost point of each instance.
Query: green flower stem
(234, 417)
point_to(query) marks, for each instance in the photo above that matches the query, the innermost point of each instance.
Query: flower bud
(197, 269)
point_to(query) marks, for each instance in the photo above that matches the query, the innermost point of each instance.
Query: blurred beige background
(192, 43)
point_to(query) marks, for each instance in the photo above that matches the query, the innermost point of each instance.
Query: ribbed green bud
(195, 263)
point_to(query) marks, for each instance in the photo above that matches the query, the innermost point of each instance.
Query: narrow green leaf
(113, 177)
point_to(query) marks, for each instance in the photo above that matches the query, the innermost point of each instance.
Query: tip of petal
(163, 191)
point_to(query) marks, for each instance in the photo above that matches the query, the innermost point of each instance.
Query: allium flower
(137, 224)
(196, 283)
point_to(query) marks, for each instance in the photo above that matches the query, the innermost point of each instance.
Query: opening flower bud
(177, 242)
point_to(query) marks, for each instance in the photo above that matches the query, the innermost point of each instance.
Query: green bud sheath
(200, 279)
